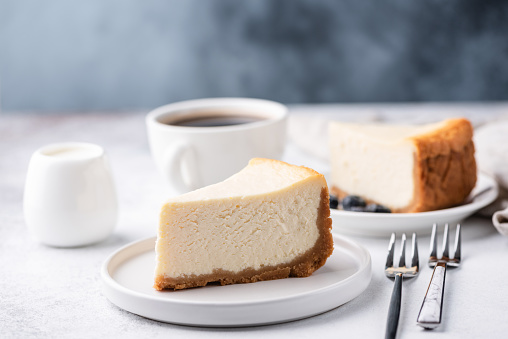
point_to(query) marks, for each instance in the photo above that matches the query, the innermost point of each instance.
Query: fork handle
(394, 310)
(432, 306)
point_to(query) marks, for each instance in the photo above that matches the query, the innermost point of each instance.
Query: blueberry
(356, 209)
(375, 208)
(334, 202)
(352, 201)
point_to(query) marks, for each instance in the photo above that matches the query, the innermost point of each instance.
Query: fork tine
(458, 240)
(402, 260)
(445, 243)
(433, 242)
(391, 252)
(414, 253)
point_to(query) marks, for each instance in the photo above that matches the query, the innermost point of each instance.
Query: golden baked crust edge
(445, 171)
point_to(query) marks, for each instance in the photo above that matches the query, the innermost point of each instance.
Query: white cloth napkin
(500, 221)
(491, 142)
(310, 134)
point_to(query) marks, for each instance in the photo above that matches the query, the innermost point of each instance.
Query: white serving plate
(383, 224)
(127, 277)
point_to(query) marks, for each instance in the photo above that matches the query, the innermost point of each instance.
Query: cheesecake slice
(269, 221)
(406, 168)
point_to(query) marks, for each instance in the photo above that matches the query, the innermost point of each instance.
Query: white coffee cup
(191, 157)
(70, 199)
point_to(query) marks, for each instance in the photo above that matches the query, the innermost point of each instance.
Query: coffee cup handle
(180, 164)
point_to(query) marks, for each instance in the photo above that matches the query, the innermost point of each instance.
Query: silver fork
(397, 273)
(432, 306)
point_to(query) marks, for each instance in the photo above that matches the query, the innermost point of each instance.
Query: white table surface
(56, 293)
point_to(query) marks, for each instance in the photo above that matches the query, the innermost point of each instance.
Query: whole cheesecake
(269, 221)
(406, 168)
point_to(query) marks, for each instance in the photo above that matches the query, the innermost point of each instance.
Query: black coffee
(215, 120)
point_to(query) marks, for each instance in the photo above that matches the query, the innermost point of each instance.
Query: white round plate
(383, 224)
(127, 277)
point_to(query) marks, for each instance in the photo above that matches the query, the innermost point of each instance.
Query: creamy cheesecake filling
(382, 174)
(248, 232)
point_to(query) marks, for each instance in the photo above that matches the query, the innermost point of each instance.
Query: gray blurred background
(61, 55)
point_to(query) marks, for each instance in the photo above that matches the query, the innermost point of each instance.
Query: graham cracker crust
(302, 266)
